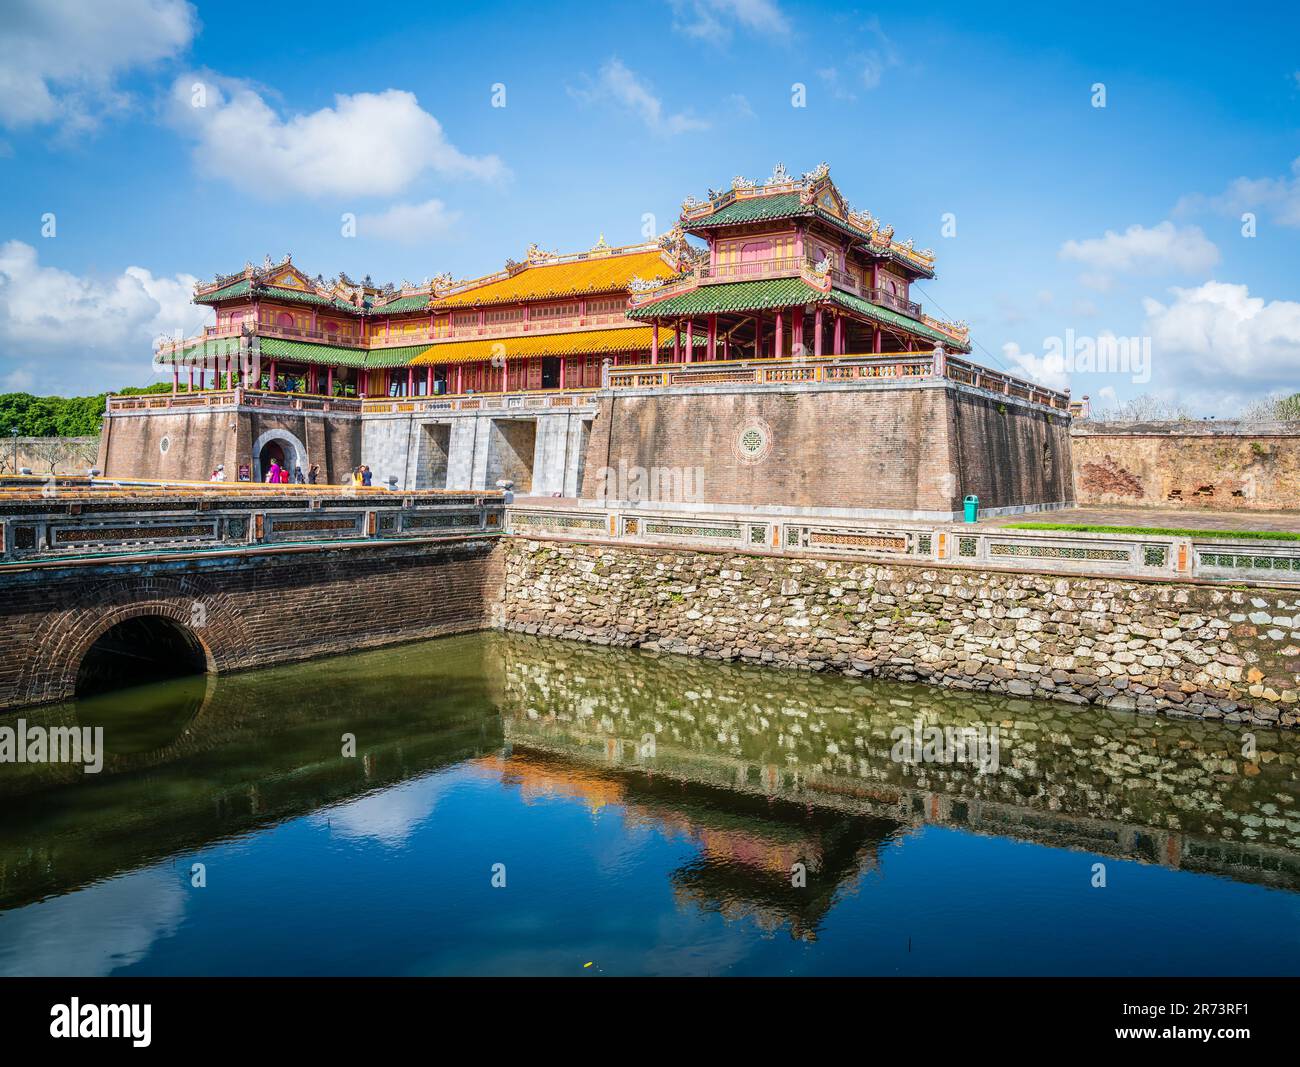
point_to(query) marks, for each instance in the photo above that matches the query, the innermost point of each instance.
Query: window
(506, 315)
(465, 318)
(554, 311)
(608, 306)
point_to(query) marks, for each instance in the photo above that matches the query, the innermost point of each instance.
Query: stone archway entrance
(281, 446)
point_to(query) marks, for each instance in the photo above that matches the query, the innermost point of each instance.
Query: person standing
(313, 475)
(365, 475)
(273, 474)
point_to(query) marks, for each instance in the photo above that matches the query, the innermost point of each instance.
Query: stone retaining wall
(1214, 653)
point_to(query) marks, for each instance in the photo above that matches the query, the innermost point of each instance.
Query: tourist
(356, 477)
(313, 475)
(365, 475)
(284, 475)
(273, 475)
(298, 478)
(219, 475)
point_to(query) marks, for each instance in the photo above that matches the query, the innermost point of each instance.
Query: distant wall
(910, 451)
(50, 455)
(1187, 465)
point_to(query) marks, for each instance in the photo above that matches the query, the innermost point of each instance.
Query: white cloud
(367, 144)
(409, 223)
(1220, 333)
(714, 20)
(60, 59)
(61, 332)
(622, 87)
(1279, 197)
(1162, 247)
(1041, 369)
(869, 61)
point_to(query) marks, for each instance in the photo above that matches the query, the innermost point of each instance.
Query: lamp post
(14, 434)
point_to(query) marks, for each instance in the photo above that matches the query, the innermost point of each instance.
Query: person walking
(313, 474)
(284, 475)
(273, 474)
(298, 478)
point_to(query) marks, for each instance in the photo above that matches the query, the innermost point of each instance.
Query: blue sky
(1071, 220)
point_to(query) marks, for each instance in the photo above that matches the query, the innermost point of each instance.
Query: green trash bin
(972, 508)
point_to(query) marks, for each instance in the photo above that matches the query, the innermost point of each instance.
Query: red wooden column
(410, 381)
(713, 338)
(778, 344)
(176, 377)
(690, 340)
(839, 335)
(460, 377)
(563, 362)
(758, 336)
(817, 331)
(272, 376)
(654, 343)
(875, 341)
(329, 382)
(677, 342)
(796, 333)
(428, 380)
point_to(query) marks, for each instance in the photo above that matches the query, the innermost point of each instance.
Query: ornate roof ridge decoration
(810, 187)
(443, 285)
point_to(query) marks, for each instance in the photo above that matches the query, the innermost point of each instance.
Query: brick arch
(65, 636)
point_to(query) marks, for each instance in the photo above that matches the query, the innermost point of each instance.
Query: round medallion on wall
(164, 444)
(754, 441)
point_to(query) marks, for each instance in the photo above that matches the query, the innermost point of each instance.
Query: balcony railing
(891, 300)
(231, 398)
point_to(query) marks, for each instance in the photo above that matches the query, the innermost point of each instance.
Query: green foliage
(59, 416)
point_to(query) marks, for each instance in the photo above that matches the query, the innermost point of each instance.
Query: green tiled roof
(310, 352)
(238, 288)
(888, 317)
(788, 206)
(753, 209)
(217, 348)
(402, 303)
(393, 357)
(244, 287)
(730, 296)
(782, 293)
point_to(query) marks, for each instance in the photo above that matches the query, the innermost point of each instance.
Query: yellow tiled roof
(599, 274)
(587, 343)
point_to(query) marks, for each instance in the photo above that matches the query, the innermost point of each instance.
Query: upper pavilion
(779, 270)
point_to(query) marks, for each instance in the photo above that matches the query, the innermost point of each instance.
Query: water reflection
(776, 792)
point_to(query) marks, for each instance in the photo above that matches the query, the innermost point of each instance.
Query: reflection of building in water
(749, 845)
(1153, 790)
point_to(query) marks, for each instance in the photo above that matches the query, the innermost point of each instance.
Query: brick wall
(1226, 466)
(253, 610)
(917, 449)
(131, 444)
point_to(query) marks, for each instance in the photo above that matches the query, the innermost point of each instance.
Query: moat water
(648, 815)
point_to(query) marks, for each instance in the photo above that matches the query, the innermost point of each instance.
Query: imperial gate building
(771, 342)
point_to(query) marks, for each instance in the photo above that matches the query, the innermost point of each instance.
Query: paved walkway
(1167, 518)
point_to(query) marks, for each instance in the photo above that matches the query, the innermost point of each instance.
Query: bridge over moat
(102, 586)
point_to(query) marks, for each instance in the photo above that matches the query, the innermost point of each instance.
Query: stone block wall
(1215, 653)
(1222, 466)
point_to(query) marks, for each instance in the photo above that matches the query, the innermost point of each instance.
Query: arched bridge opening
(136, 651)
